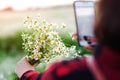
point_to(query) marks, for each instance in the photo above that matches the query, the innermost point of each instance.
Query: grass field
(11, 25)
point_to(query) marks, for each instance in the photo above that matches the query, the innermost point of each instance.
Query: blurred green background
(11, 26)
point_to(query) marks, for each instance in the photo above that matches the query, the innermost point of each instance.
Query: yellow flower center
(47, 31)
(42, 38)
(39, 56)
(35, 22)
(38, 49)
(49, 24)
(28, 17)
(47, 56)
(54, 43)
(33, 55)
(38, 44)
(59, 49)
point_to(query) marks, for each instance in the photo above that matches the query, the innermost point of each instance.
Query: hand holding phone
(85, 19)
(88, 47)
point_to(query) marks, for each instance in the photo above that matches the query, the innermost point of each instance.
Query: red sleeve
(34, 75)
(30, 75)
(56, 71)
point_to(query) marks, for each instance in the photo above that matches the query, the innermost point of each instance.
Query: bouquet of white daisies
(42, 42)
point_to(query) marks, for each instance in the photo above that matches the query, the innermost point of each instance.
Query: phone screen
(85, 18)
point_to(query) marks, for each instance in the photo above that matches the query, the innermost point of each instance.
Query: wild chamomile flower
(42, 42)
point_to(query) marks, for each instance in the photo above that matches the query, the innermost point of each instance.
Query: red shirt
(77, 69)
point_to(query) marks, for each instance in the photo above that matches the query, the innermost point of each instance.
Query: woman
(104, 65)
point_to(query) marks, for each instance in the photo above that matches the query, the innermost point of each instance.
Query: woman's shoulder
(76, 67)
(72, 64)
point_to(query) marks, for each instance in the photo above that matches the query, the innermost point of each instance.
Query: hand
(75, 36)
(23, 66)
(88, 47)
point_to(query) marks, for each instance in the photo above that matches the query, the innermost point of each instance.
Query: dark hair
(107, 28)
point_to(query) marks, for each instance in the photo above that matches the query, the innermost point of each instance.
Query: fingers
(23, 66)
(75, 36)
(24, 59)
(35, 65)
(88, 47)
(93, 39)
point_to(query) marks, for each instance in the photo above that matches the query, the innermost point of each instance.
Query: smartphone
(85, 20)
